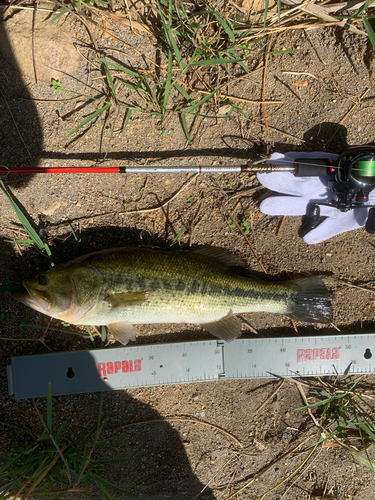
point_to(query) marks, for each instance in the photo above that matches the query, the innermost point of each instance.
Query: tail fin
(310, 301)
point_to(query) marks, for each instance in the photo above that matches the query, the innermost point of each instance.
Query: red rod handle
(59, 170)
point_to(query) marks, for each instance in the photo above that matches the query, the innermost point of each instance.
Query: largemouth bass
(208, 286)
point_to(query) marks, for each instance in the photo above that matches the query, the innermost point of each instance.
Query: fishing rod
(351, 175)
(145, 169)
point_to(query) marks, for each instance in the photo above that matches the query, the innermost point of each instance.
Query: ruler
(183, 362)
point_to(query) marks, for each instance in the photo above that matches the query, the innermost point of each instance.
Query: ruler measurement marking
(188, 362)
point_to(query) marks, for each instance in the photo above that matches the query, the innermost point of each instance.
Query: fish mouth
(36, 299)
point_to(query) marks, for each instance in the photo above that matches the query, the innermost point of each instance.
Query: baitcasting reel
(353, 178)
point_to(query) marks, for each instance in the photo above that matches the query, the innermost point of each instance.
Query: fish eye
(43, 279)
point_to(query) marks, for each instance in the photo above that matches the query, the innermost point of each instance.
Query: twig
(252, 329)
(269, 397)
(213, 477)
(24, 8)
(346, 116)
(238, 225)
(96, 437)
(33, 39)
(40, 478)
(268, 467)
(298, 73)
(141, 211)
(32, 476)
(183, 419)
(68, 490)
(251, 101)
(280, 226)
(128, 14)
(314, 48)
(41, 340)
(335, 327)
(192, 226)
(50, 100)
(80, 17)
(294, 325)
(280, 131)
(290, 475)
(359, 287)
(246, 192)
(303, 396)
(15, 123)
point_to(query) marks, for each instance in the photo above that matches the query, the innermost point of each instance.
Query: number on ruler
(249, 351)
(217, 351)
(282, 349)
(184, 354)
(151, 357)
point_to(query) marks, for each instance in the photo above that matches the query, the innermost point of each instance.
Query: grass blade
(111, 485)
(96, 113)
(169, 35)
(91, 336)
(127, 118)
(205, 98)
(35, 327)
(363, 7)
(119, 67)
(110, 81)
(183, 92)
(228, 31)
(266, 2)
(185, 127)
(49, 408)
(213, 62)
(370, 31)
(103, 333)
(168, 81)
(104, 490)
(39, 243)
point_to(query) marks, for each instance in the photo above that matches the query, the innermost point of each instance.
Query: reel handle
(370, 222)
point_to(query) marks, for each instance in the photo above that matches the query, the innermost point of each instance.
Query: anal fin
(122, 331)
(227, 328)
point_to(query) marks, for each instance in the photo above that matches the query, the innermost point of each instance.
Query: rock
(54, 49)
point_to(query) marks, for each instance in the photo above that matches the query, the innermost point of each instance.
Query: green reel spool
(363, 169)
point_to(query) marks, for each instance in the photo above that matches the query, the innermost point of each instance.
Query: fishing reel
(353, 180)
(354, 177)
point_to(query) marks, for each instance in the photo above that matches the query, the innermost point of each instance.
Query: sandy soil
(319, 84)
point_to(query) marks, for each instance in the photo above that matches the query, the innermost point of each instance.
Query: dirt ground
(320, 85)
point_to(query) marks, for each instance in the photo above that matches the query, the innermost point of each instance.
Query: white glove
(306, 191)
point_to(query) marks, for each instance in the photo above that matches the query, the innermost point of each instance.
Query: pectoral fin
(122, 331)
(227, 328)
(127, 299)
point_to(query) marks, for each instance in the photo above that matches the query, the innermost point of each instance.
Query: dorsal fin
(221, 255)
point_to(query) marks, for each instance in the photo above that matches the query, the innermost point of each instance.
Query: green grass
(203, 41)
(203, 50)
(35, 239)
(52, 463)
(346, 417)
